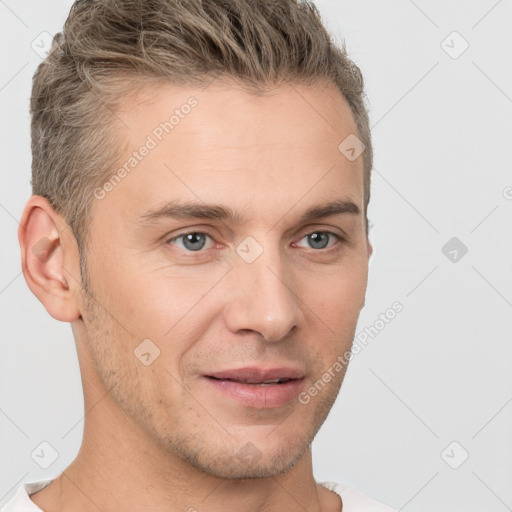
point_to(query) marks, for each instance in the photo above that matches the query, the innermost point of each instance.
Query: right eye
(193, 241)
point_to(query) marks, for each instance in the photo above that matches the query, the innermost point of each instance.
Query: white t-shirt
(353, 500)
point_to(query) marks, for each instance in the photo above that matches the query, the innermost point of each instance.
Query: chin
(238, 461)
(265, 467)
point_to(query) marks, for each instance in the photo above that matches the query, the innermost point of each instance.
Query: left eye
(194, 241)
(321, 239)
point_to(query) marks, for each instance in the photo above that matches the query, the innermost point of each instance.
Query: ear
(50, 259)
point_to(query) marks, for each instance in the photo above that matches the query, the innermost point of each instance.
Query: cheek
(335, 300)
(171, 308)
(149, 296)
(337, 294)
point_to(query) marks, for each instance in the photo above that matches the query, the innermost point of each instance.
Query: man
(201, 174)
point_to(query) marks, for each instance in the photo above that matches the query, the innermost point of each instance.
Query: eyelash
(339, 239)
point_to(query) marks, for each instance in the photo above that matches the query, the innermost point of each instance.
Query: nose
(262, 301)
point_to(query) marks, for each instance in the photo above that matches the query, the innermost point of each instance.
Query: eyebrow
(191, 210)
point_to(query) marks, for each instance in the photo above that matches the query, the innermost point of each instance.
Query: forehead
(309, 113)
(223, 144)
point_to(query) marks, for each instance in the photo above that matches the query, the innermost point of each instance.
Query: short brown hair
(109, 47)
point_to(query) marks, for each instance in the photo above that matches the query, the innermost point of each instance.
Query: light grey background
(440, 371)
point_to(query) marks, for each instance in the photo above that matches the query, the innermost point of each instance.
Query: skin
(158, 437)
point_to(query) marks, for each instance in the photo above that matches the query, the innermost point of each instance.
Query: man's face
(266, 290)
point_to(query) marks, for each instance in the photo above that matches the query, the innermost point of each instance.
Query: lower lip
(257, 396)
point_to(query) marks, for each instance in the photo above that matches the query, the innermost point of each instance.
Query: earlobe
(44, 259)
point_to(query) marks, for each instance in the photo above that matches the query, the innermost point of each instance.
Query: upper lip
(253, 374)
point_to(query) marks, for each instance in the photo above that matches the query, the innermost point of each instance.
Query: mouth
(258, 387)
(254, 383)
